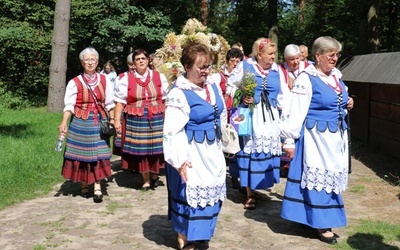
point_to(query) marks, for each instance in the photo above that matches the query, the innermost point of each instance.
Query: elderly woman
(195, 163)
(289, 70)
(87, 156)
(258, 160)
(139, 98)
(316, 135)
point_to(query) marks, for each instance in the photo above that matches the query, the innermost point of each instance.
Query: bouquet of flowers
(246, 88)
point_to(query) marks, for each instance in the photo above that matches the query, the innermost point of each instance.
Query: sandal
(331, 239)
(189, 246)
(250, 203)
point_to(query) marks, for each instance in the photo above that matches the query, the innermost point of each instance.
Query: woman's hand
(183, 170)
(350, 103)
(248, 100)
(289, 152)
(117, 125)
(62, 128)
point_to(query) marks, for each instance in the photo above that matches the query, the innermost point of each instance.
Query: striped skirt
(195, 223)
(87, 156)
(317, 209)
(257, 170)
(142, 142)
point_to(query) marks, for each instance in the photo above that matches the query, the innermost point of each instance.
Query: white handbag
(230, 140)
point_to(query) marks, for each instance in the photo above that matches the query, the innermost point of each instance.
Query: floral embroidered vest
(84, 100)
(149, 96)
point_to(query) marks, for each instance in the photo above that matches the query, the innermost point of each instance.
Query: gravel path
(132, 219)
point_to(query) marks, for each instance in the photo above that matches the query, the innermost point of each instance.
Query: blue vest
(273, 84)
(203, 117)
(324, 111)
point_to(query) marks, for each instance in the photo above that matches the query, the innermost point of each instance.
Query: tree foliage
(116, 27)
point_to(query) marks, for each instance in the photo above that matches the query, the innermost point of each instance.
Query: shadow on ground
(369, 241)
(385, 166)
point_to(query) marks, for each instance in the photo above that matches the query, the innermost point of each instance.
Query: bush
(9, 101)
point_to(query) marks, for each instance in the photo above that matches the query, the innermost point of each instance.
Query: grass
(29, 165)
(371, 235)
(357, 189)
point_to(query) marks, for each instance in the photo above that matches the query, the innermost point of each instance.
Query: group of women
(181, 127)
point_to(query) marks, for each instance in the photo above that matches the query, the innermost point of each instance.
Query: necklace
(263, 72)
(90, 80)
(337, 86)
(143, 83)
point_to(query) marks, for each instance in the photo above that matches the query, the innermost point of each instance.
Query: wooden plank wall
(359, 115)
(375, 118)
(384, 131)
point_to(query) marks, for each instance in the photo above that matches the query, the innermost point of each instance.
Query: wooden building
(374, 83)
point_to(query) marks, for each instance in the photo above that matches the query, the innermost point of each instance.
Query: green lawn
(29, 165)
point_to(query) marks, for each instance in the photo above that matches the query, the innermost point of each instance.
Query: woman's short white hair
(325, 44)
(291, 50)
(88, 50)
(129, 58)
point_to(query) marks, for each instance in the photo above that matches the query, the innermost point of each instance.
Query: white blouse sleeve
(284, 94)
(297, 109)
(71, 93)
(109, 100)
(121, 93)
(175, 141)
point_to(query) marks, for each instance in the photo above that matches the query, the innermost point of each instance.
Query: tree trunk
(373, 32)
(58, 64)
(273, 35)
(204, 11)
(393, 20)
(301, 8)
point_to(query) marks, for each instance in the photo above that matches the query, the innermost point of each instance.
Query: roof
(381, 68)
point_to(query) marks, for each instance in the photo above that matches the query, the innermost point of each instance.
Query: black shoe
(85, 192)
(329, 240)
(97, 196)
(155, 182)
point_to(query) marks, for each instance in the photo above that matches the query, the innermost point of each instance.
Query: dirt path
(132, 219)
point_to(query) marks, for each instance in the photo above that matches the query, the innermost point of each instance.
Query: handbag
(241, 120)
(107, 129)
(230, 140)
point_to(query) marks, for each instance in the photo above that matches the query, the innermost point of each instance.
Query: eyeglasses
(331, 56)
(262, 44)
(89, 60)
(204, 68)
(140, 58)
(234, 60)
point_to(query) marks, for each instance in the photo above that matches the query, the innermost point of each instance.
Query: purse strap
(95, 99)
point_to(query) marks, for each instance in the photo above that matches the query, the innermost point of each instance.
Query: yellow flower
(246, 87)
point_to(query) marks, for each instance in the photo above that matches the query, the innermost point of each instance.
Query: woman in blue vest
(259, 158)
(195, 164)
(316, 138)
